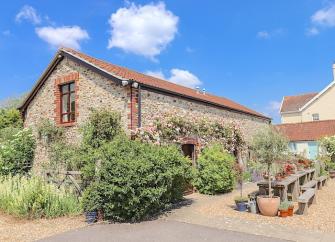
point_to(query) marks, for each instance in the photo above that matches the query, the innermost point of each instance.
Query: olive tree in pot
(269, 146)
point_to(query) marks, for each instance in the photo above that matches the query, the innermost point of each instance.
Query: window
(68, 103)
(315, 116)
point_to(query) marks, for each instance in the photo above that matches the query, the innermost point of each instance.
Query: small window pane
(65, 104)
(72, 117)
(65, 88)
(315, 117)
(65, 118)
(72, 87)
(72, 101)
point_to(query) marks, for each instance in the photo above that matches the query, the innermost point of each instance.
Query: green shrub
(10, 118)
(102, 126)
(215, 171)
(49, 133)
(137, 180)
(34, 198)
(17, 153)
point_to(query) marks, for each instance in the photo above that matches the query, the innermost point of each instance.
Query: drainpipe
(139, 108)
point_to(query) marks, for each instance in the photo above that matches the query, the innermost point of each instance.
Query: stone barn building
(75, 83)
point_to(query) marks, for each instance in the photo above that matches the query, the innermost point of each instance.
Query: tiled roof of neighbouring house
(294, 103)
(156, 83)
(307, 131)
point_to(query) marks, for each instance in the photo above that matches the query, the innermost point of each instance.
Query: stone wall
(95, 91)
(155, 105)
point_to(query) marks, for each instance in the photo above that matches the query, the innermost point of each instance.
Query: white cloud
(312, 31)
(272, 110)
(68, 36)
(158, 74)
(143, 30)
(178, 76)
(6, 32)
(323, 18)
(28, 13)
(263, 35)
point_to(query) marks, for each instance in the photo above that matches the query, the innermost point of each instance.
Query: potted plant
(91, 201)
(269, 146)
(290, 209)
(240, 201)
(283, 209)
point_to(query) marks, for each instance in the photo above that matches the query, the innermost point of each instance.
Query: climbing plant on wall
(174, 129)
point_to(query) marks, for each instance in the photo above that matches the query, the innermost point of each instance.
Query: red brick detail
(71, 77)
(133, 108)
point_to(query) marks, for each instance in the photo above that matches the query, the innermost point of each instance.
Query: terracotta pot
(268, 206)
(283, 213)
(332, 174)
(290, 211)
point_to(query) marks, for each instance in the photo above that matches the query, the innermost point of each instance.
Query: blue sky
(253, 52)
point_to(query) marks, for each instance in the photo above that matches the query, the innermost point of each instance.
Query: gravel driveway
(158, 230)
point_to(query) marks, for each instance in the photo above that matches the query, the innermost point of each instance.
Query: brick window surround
(59, 81)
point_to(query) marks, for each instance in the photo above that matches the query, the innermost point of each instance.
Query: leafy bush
(215, 171)
(137, 180)
(48, 132)
(17, 153)
(102, 126)
(328, 145)
(34, 198)
(10, 118)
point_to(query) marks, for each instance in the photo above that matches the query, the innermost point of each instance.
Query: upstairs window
(68, 103)
(315, 117)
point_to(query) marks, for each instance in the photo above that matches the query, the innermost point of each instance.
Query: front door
(189, 151)
(312, 150)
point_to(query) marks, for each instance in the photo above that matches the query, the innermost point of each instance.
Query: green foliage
(102, 126)
(269, 146)
(215, 172)
(48, 132)
(10, 118)
(17, 153)
(137, 180)
(328, 145)
(241, 199)
(34, 198)
(284, 205)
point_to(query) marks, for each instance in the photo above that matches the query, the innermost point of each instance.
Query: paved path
(158, 230)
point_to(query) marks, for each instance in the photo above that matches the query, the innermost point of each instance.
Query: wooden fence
(65, 178)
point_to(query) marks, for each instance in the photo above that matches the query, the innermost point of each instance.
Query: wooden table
(289, 185)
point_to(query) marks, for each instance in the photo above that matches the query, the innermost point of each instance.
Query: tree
(269, 146)
(328, 144)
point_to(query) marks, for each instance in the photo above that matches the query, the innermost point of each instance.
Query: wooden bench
(321, 181)
(308, 185)
(305, 200)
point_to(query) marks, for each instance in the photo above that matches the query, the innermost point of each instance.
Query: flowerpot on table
(268, 206)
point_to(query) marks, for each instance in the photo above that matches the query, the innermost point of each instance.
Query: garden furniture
(321, 181)
(283, 188)
(305, 200)
(309, 185)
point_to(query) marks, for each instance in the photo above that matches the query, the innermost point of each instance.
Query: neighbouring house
(304, 137)
(75, 83)
(307, 118)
